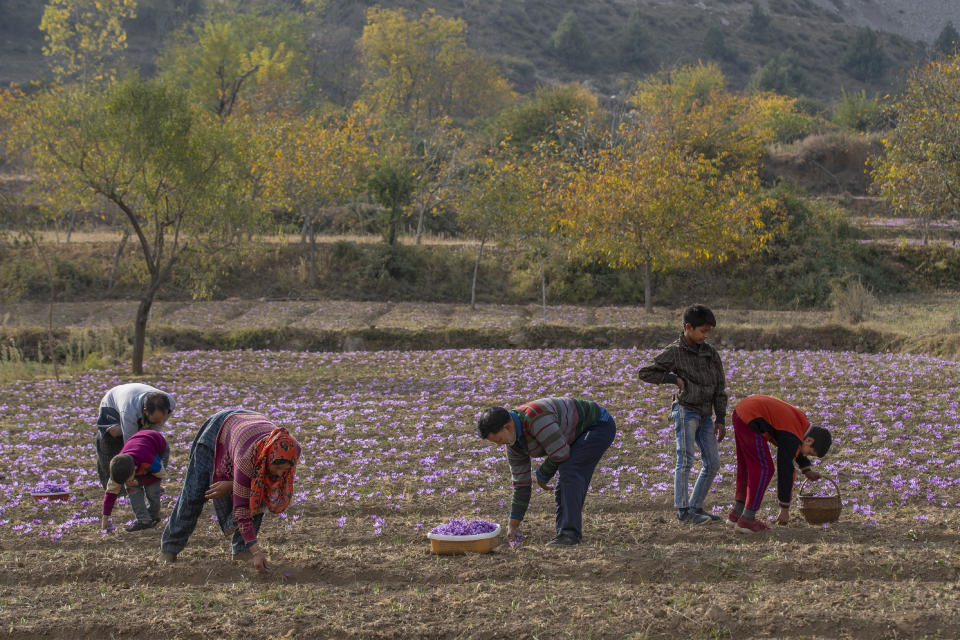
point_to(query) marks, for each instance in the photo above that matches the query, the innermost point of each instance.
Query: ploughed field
(390, 451)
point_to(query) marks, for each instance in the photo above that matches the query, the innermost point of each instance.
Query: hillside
(626, 39)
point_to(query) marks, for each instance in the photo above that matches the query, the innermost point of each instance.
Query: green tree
(947, 42)
(238, 64)
(919, 173)
(141, 147)
(781, 74)
(758, 22)
(865, 59)
(85, 39)
(634, 40)
(569, 42)
(715, 45)
(492, 196)
(391, 185)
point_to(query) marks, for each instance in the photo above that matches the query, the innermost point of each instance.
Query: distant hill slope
(517, 34)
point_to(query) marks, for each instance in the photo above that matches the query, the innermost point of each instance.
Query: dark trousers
(107, 448)
(186, 513)
(574, 473)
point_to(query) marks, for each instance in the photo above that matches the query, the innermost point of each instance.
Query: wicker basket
(452, 545)
(819, 509)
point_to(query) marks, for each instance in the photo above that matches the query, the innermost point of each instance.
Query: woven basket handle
(822, 477)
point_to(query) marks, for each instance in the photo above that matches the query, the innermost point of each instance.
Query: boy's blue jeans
(574, 473)
(189, 506)
(693, 430)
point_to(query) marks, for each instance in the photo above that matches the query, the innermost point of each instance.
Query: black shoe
(564, 540)
(714, 517)
(140, 526)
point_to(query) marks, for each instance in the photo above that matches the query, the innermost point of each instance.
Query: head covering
(265, 491)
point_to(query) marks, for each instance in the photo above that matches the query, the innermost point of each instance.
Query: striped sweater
(233, 460)
(545, 427)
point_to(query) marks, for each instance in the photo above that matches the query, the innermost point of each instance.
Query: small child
(694, 366)
(756, 421)
(140, 465)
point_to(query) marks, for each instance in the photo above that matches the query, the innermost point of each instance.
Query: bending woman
(245, 464)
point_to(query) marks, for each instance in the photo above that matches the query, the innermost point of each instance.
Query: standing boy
(758, 420)
(125, 410)
(139, 466)
(572, 434)
(694, 366)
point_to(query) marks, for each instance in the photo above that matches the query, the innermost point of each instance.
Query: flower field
(391, 452)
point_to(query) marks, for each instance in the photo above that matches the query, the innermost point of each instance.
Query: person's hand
(219, 489)
(720, 431)
(260, 561)
(114, 431)
(784, 516)
(106, 524)
(544, 485)
(681, 384)
(513, 532)
(811, 474)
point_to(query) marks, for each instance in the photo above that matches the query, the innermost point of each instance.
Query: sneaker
(751, 526)
(694, 518)
(564, 540)
(713, 517)
(732, 518)
(140, 526)
(168, 557)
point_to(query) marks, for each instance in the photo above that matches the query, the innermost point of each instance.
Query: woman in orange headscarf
(245, 464)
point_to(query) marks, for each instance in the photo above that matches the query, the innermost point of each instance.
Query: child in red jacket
(758, 420)
(140, 465)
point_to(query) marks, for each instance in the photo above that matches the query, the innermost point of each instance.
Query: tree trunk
(420, 226)
(312, 279)
(116, 259)
(543, 289)
(476, 269)
(73, 220)
(140, 330)
(647, 289)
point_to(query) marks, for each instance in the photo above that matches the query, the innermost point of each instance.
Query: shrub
(782, 74)
(852, 301)
(856, 111)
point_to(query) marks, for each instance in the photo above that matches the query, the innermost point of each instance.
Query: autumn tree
(140, 146)
(675, 183)
(309, 164)
(423, 83)
(416, 70)
(85, 39)
(919, 173)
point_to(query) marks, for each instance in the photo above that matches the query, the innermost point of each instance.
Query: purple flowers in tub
(48, 488)
(463, 527)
